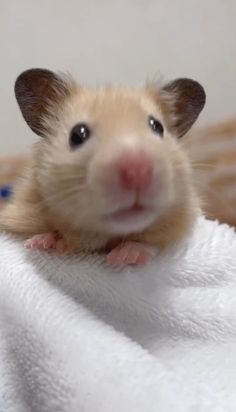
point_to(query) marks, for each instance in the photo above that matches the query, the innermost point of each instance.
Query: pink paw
(46, 241)
(129, 253)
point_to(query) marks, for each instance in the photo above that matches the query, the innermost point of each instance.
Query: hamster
(108, 172)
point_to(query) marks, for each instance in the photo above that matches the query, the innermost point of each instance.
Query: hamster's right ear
(37, 91)
(182, 100)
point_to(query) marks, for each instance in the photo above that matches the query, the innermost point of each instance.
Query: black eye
(79, 134)
(155, 125)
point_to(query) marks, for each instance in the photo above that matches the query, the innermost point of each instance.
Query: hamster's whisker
(67, 193)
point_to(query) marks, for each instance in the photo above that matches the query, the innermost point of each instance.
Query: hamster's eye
(155, 125)
(79, 134)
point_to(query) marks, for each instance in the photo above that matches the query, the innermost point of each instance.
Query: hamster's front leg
(47, 241)
(129, 253)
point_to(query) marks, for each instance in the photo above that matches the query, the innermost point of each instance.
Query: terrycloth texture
(76, 336)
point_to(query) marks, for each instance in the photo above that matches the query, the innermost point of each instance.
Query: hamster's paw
(129, 253)
(46, 241)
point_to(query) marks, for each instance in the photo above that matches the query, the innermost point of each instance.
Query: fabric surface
(76, 335)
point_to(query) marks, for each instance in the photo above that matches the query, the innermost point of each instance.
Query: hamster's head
(109, 159)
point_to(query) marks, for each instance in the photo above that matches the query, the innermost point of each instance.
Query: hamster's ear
(37, 91)
(182, 100)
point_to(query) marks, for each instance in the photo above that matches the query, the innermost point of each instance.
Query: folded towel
(78, 336)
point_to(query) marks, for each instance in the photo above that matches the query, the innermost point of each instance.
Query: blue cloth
(5, 192)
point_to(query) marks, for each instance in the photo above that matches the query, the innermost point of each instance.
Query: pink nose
(135, 172)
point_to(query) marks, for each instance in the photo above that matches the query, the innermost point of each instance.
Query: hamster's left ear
(181, 102)
(37, 92)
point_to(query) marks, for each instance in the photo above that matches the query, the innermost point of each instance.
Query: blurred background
(121, 41)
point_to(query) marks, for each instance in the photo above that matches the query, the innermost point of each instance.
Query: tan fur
(62, 191)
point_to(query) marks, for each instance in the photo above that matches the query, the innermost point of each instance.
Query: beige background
(123, 41)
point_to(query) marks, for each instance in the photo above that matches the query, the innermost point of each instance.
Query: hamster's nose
(135, 172)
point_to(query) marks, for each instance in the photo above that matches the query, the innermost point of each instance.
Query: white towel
(77, 336)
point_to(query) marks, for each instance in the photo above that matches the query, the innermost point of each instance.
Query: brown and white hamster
(108, 170)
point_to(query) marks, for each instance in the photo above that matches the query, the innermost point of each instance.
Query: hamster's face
(110, 162)
(110, 159)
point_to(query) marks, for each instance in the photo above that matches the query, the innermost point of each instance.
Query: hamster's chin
(130, 220)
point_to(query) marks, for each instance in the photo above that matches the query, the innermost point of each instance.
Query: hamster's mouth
(131, 219)
(131, 212)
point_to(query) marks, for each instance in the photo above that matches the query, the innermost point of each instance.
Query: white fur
(78, 336)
